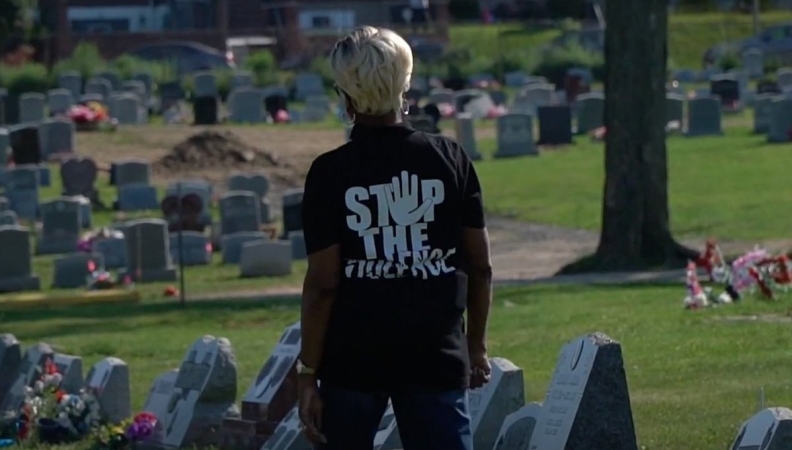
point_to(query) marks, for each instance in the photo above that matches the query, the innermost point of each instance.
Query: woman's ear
(350, 107)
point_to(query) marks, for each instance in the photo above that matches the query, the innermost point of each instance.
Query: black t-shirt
(396, 200)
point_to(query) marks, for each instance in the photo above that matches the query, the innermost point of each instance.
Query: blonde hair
(373, 67)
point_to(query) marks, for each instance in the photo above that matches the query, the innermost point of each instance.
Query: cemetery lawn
(732, 187)
(694, 377)
(689, 35)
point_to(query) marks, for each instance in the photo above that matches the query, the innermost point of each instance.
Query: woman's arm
(319, 293)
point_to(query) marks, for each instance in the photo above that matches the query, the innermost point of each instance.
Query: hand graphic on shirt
(402, 196)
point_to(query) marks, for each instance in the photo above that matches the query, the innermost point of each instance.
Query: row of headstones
(587, 404)
(108, 379)
(34, 142)
(144, 250)
(128, 108)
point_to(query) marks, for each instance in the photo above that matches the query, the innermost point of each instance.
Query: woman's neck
(387, 119)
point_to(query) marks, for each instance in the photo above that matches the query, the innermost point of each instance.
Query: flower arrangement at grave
(124, 436)
(90, 116)
(51, 415)
(755, 272)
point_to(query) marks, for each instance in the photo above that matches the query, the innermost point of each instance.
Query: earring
(405, 107)
(347, 119)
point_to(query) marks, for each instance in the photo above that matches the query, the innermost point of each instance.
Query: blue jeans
(427, 420)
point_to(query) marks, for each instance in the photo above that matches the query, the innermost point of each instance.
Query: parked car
(775, 43)
(188, 57)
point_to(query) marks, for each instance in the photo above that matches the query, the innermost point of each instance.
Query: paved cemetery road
(529, 254)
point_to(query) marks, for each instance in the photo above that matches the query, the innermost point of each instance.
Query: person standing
(398, 251)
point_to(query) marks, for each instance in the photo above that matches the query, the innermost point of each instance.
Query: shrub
(262, 65)
(556, 61)
(85, 59)
(730, 60)
(321, 66)
(27, 78)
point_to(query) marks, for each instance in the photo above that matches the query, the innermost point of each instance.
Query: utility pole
(755, 13)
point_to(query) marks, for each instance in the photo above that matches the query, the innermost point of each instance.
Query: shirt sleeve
(319, 209)
(472, 201)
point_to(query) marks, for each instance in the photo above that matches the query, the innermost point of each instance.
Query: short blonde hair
(373, 67)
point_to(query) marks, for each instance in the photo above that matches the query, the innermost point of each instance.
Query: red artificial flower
(145, 417)
(59, 394)
(50, 368)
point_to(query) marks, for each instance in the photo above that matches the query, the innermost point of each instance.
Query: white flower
(38, 387)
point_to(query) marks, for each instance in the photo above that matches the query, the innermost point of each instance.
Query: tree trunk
(635, 221)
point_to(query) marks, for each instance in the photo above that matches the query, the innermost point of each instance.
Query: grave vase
(51, 432)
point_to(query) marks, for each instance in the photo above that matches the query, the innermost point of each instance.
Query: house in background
(301, 28)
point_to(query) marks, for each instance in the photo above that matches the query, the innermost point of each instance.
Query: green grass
(735, 186)
(689, 35)
(693, 376)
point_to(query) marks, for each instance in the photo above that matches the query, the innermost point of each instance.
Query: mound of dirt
(216, 150)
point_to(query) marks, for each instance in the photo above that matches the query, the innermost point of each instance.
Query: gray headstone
(780, 120)
(71, 368)
(257, 183)
(260, 257)
(308, 84)
(440, 96)
(704, 117)
(56, 136)
(587, 404)
(16, 262)
(196, 249)
(113, 78)
(59, 101)
(466, 135)
(5, 205)
(99, 86)
(136, 87)
(247, 105)
(132, 171)
(109, 378)
(515, 136)
(10, 360)
(126, 108)
(137, 197)
(61, 227)
(161, 392)
(675, 108)
(590, 110)
(762, 113)
(515, 79)
(240, 211)
(288, 435)
(784, 76)
(292, 201)
(205, 85)
(148, 251)
(242, 78)
(518, 427)
(231, 244)
(72, 271)
(8, 218)
(269, 389)
(30, 370)
(22, 191)
(72, 82)
(113, 251)
(299, 251)
(32, 107)
(491, 403)
(147, 79)
(770, 429)
(203, 395)
(753, 62)
(533, 96)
